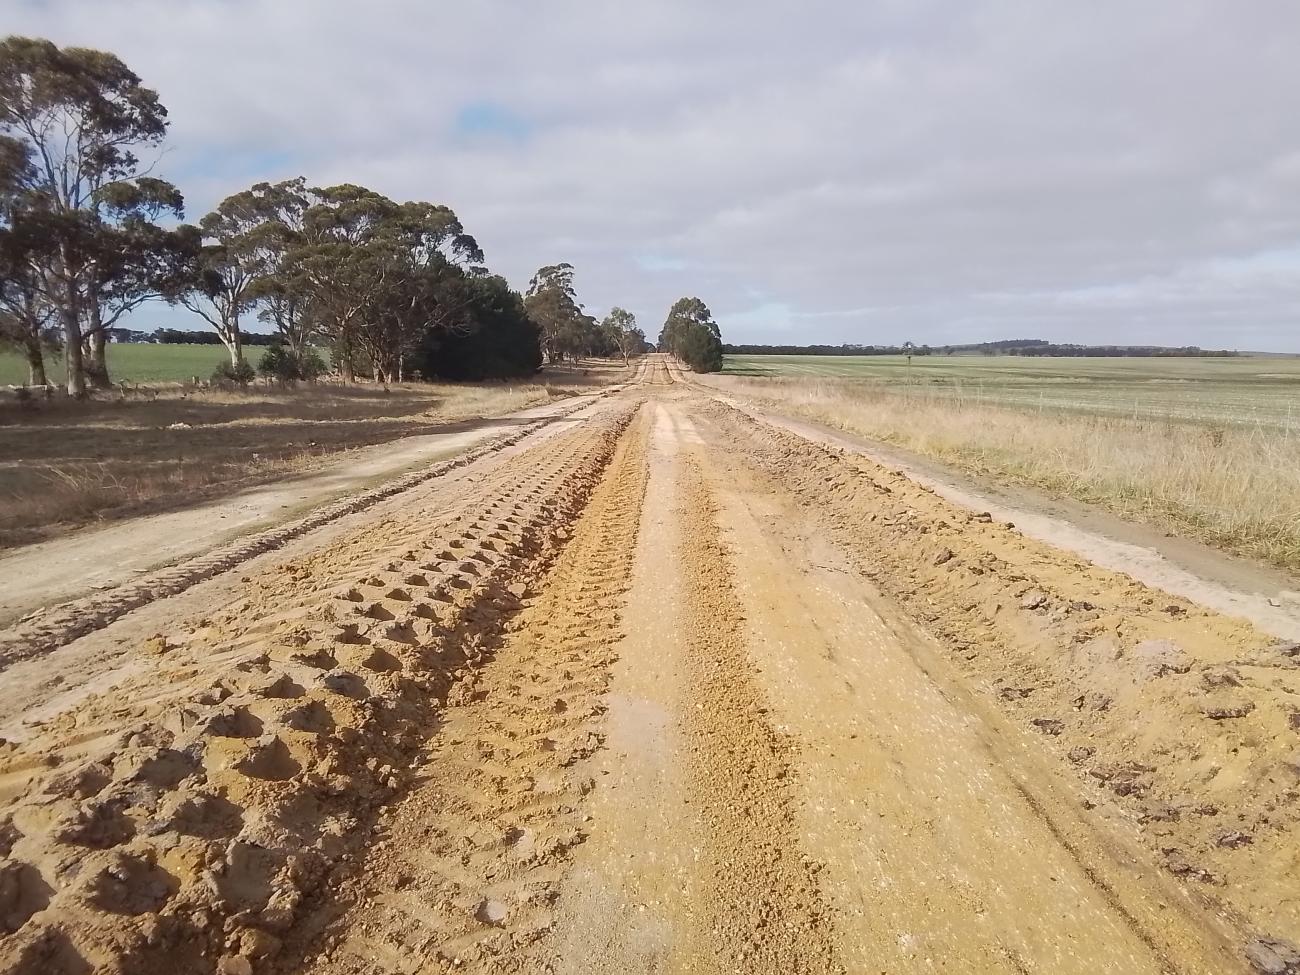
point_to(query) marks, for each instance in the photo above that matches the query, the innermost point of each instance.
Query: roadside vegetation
(1216, 470)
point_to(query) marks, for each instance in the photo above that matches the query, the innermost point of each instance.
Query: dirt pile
(192, 816)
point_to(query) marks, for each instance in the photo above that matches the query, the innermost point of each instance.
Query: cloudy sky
(1101, 171)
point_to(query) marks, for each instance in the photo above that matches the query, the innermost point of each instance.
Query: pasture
(138, 363)
(1252, 391)
(1207, 448)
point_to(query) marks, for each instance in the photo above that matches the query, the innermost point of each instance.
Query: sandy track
(673, 691)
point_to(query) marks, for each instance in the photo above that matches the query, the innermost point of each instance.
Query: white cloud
(1106, 171)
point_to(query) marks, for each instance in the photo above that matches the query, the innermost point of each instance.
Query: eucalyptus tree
(282, 207)
(624, 336)
(427, 254)
(25, 314)
(81, 115)
(342, 263)
(691, 334)
(553, 304)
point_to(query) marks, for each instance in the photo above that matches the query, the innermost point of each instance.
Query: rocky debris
(1273, 956)
(1127, 779)
(1217, 678)
(1292, 761)
(1048, 726)
(1034, 599)
(1288, 649)
(1081, 753)
(1015, 693)
(945, 555)
(1177, 864)
(234, 965)
(1232, 838)
(1153, 659)
(1226, 712)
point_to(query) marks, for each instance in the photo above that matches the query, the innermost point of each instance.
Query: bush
(284, 366)
(228, 375)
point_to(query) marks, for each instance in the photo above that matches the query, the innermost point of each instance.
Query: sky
(882, 171)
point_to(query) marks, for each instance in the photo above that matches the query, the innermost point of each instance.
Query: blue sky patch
(491, 118)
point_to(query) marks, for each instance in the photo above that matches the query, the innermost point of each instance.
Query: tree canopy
(88, 233)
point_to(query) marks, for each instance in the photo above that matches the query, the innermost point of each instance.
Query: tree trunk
(35, 361)
(97, 360)
(72, 350)
(236, 347)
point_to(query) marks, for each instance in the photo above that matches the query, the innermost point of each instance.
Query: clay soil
(658, 686)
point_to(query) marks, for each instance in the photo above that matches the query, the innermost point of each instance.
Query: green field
(138, 363)
(1248, 390)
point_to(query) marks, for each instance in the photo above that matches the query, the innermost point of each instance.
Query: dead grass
(1233, 486)
(65, 464)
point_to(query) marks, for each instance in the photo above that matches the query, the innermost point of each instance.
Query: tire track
(466, 872)
(193, 817)
(48, 629)
(768, 914)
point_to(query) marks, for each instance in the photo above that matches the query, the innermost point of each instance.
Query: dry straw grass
(64, 463)
(1236, 486)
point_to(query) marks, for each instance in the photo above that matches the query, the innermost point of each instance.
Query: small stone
(1273, 956)
(1226, 712)
(1157, 658)
(1048, 726)
(234, 965)
(491, 911)
(1231, 839)
(945, 555)
(1033, 599)
(1080, 754)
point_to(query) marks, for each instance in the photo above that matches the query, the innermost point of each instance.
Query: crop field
(1250, 391)
(138, 363)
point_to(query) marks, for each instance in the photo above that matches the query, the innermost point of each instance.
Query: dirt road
(660, 688)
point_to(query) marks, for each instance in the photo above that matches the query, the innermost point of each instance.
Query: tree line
(391, 289)
(1024, 347)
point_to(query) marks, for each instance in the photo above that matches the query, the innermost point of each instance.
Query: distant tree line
(178, 336)
(691, 334)
(390, 289)
(1025, 347)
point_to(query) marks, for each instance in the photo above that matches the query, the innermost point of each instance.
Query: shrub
(229, 375)
(284, 366)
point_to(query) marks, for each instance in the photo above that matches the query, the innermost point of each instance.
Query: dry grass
(65, 464)
(1235, 486)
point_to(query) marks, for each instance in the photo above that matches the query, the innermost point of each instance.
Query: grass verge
(1232, 486)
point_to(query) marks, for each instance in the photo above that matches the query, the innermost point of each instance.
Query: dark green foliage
(284, 365)
(496, 340)
(691, 334)
(231, 374)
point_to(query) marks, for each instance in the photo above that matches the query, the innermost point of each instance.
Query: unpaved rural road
(658, 688)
